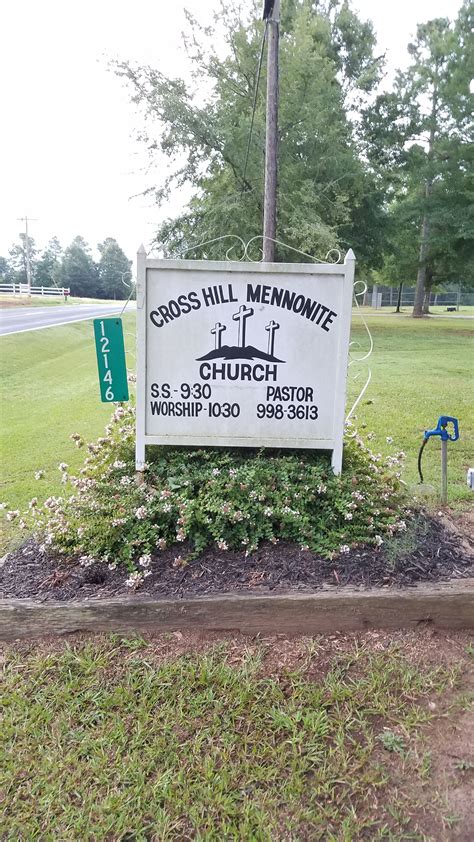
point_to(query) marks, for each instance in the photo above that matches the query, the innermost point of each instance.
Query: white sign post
(242, 354)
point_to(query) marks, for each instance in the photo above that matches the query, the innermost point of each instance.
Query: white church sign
(242, 354)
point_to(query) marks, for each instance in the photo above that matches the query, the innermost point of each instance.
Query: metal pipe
(444, 472)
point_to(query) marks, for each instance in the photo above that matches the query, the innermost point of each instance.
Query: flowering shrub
(228, 498)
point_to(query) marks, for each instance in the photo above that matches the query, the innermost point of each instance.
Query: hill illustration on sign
(242, 351)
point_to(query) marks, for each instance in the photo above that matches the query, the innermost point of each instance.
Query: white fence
(23, 289)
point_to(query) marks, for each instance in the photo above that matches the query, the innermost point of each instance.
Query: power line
(259, 68)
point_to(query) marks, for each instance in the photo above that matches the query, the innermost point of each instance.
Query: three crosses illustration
(241, 317)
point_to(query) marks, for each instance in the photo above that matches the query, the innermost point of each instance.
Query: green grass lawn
(420, 369)
(49, 390)
(315, 739)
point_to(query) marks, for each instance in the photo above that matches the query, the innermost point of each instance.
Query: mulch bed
(432, 551)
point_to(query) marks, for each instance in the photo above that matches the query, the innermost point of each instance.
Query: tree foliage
(78, 270)
(386, 171)
(421, 132)
(74, 268)
(114, 270)
(48, 267)
(327, 196)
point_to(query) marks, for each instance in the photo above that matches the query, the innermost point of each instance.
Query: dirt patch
(437, 776)
(430, 550)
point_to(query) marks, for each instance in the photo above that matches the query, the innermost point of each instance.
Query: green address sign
(111, 364)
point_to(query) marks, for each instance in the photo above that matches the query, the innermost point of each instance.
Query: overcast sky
(68, 154)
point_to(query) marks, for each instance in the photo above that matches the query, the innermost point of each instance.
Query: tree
(48, 268)
(78, 270)
(434, 111)
(114, 269)
(328, 196)
(18, 262)
(4, 269)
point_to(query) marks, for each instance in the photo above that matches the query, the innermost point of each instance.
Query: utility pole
(27, 251)
(271, 137)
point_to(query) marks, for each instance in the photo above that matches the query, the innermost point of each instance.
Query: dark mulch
(429, 551)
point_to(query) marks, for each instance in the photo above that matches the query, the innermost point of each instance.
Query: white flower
(12, 515)
(86, 561)
(63, 467)
(161, 544)
(378, 540)
(64, 478)
(52, 503)
(222, 544)
(321, 488)
(344, 549)
(389, 440)
(3, 506)
(215, 472)
(33, 503)
(348, 516)
(145, 560)
(141, 513)
(232, 472)
(268, 511)
(112, 565)
(165, 493)
(118, 521)
(126, 481)
(134, 580)
(180, 535)
(39, 474)
(119, 464)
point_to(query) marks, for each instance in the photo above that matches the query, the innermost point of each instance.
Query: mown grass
(420, 369)
(102, 741)
(49, 389)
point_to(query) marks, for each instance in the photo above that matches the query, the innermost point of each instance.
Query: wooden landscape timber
(448, 605)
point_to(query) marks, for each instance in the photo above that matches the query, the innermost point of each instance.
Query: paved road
(21, 319)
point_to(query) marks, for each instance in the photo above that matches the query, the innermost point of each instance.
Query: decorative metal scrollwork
(333, 255)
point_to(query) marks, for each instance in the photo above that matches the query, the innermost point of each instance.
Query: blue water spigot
(441, 429)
